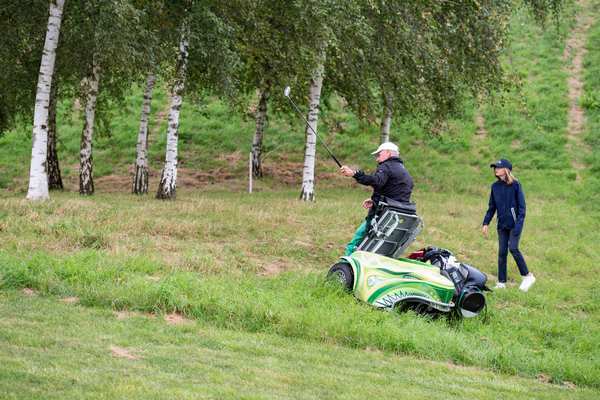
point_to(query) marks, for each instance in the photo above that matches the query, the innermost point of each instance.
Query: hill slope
(249, 268)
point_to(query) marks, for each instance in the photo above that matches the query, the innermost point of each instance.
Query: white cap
(386, 146)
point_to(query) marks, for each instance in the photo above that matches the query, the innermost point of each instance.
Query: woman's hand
(484, 230)
(368, 203)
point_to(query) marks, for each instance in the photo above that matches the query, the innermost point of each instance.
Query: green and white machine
(429, 281)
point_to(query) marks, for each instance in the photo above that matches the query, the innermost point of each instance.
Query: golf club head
(286, 91)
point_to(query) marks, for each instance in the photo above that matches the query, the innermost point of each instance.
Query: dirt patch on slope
(70, 300)
(29, 292)
(274, 268)
(122, 352)
(480, 123)
(574, 54)
(177, 319)
(232, 176)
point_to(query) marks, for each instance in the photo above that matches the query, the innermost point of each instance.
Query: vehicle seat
(393, 229)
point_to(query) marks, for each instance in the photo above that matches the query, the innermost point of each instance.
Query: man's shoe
(500, 285)
(528, 281)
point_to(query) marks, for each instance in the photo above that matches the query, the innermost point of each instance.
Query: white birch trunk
(52, 164)
(168, 176)
(38, 178)
(261, 125)
(310, 149)
(90, 83)
(140, 179)
(386, 120)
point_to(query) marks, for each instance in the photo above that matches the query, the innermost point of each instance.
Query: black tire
(419, 308)
(342, 273)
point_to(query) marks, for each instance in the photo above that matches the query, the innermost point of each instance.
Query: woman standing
(508, 201)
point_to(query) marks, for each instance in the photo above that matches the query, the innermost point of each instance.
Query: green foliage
(23, 27)
(426, 56)
(590, 101)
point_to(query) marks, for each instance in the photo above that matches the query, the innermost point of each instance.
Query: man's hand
(484, 230)
(368, 203)
(347, 171)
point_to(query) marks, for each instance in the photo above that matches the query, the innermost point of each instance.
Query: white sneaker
(528, 281)
(500, 285)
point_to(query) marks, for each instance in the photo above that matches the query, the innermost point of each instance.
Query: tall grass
(205, 254)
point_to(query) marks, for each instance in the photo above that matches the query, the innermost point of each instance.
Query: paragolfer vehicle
(428, 281)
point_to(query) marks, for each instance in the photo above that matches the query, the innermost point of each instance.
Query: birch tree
(328, 20)
(386, 118)
(53, 166)
(102, 53)
(157, 46)
(205, 60)
(261, 120)
(168, 177)
(90, 89)
(38, 178)
(277, 46)
(308, 172)
(140, 180)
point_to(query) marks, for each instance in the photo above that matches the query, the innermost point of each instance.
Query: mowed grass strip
(125, 253)
(51, 350)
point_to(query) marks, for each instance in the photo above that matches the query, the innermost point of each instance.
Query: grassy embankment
(591, 105)
(206, 256)
(194, 360)
(201, 254)
(76, 357)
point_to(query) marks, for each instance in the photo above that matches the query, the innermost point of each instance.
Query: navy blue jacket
(391, 180)
(509, 202)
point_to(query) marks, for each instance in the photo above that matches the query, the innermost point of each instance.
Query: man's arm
(377, 180)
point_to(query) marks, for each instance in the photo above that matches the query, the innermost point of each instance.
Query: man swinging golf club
(391, 180)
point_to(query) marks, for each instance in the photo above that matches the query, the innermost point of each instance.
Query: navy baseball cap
(502, 163)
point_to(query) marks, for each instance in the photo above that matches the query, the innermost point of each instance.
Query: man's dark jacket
(509, 202)
(391, 180)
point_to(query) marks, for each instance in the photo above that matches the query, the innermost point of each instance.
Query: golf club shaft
(317, 136)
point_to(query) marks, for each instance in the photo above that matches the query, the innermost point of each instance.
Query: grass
(591, 104)
(248, 269)
(205, 255)
(75, 359)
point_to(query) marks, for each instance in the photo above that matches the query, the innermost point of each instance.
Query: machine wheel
(418, 307)
(342, 272)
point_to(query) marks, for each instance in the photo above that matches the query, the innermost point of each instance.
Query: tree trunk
(310, 149)
(90, 83)
(140, 180)
(168, 176)
(38, 178)
(386, 120)
(54, 178)
(261, 125)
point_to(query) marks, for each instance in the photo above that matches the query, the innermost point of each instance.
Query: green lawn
(53, 350)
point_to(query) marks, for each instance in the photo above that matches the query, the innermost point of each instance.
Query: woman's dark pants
(509, 241)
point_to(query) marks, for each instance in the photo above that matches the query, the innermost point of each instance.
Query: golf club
(286, 93)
